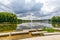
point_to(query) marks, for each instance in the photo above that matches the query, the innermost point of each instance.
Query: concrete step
(14, 33)
(39, 29)
(54, 33)
(4, 34)
(38, 33)
(20, 32)
(56, 28)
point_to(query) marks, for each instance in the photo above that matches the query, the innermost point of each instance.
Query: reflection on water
(6, 27)
(28, 25)
(56, 25)
(33, 25)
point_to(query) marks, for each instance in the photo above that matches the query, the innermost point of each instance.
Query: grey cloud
(35, 8)
(22, 8)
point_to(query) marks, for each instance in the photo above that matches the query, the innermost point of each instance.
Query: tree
(8, 17)
(8, 21)
(55, 20)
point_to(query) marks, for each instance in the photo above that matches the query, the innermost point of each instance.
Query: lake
(28, 25)
(33, 25)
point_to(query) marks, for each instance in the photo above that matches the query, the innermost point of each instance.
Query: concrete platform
(56, 28)
(53, 37)
(13, 33)
(39, 32)
(54, 33)
(39, 29)
(4, 34)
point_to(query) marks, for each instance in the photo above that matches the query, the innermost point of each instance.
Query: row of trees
(24, 21)
(19, 21)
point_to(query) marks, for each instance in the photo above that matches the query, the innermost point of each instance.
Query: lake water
(33, 25)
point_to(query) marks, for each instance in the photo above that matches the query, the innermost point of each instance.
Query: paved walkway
(53, 37)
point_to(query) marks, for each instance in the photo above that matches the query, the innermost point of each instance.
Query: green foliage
(48, 29)
(8, 21)
(55, 20)
(8, 17)
(41, 34)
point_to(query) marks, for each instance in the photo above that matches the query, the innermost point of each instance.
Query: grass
(41, 34)
(48, 29)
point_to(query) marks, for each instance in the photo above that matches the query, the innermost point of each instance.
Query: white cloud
(6, 2)
(48, 7)
(27, 1)
(41, 1)
(30, 18)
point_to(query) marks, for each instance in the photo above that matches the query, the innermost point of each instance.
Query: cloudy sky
(39, 9)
